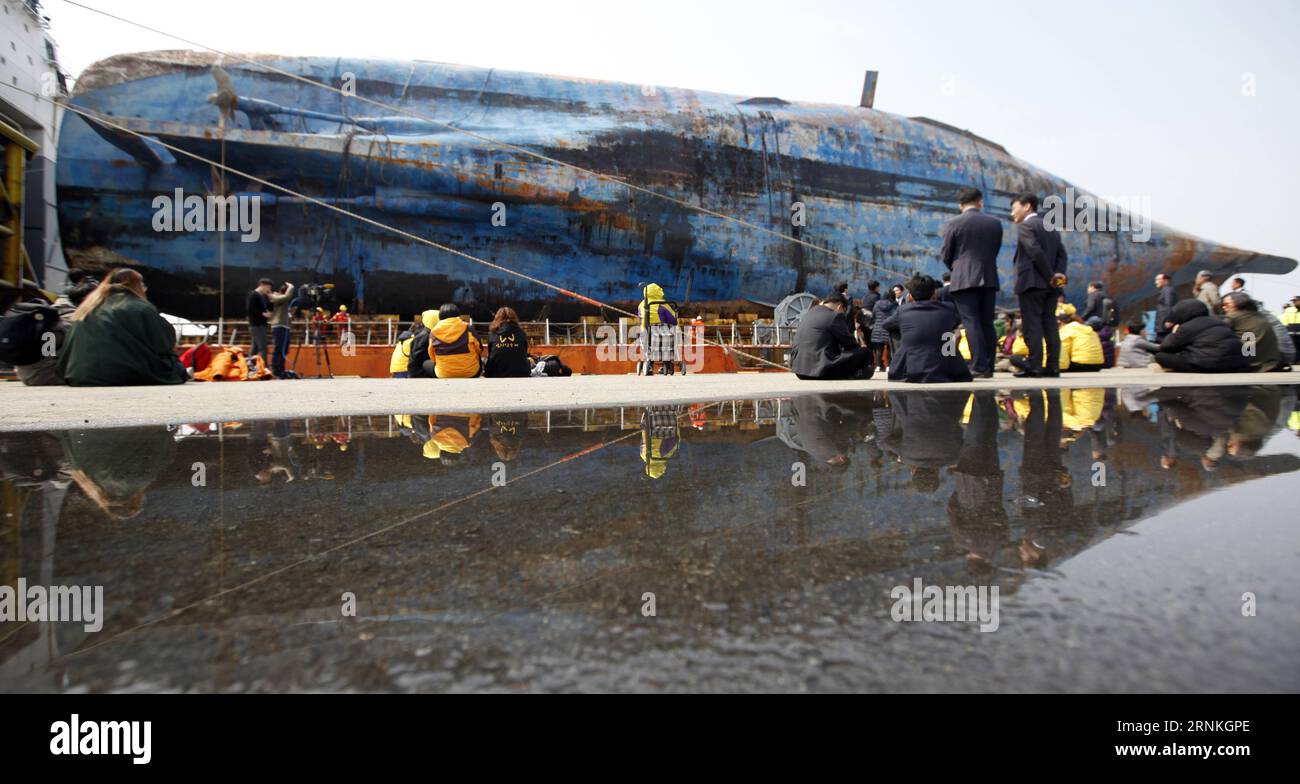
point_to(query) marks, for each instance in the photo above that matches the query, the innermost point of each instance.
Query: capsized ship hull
(873, 186)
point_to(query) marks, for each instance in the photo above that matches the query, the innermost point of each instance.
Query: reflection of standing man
(975, 510)
(1044, 481)
(970, 249)
(1040, 275)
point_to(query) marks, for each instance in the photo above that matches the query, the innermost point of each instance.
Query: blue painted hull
(875, 186)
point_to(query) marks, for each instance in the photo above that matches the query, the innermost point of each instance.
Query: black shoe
(1026, 374)
(985, 374)
(1052, 374)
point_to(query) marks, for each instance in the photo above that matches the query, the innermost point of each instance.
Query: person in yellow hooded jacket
(660, 437)
(658, 320)
(1081, 408)
(453, 349)
(399, 364)
(450, 435)
(1081, 349)
(1020, 353)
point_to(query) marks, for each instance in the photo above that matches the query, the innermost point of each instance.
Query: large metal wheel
(788, 312)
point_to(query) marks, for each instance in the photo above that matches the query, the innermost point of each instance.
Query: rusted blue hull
(874, 186)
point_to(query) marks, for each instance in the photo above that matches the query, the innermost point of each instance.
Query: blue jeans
(280, 342)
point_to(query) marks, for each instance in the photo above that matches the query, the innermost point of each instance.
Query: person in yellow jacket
(1291, 320)
(963, 345)
(1081, 408)
(455, 351)
(660, 436)
(1081, 350)
(399, 362)
(450, 435)
(401, 358)
(1020, 352)
(658, 320)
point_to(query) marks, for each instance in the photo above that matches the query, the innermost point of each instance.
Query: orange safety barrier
(372, 361)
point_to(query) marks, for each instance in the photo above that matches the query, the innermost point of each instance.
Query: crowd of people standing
(929, 331)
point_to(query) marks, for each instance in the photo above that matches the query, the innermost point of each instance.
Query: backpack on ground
(229, 363)
(551, 365)
(23, 330)
(197, 358)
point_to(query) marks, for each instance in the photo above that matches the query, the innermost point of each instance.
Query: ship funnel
(869, 89)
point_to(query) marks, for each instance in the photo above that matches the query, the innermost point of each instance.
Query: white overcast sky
(1137, 98)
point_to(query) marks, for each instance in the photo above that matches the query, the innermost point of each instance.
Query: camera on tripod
(312, 296)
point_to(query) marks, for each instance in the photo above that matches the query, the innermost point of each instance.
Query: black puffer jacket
(883, 309)
(419, 352)
(1206, 342)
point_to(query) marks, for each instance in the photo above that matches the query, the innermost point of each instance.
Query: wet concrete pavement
(46, 408)
(525, 551)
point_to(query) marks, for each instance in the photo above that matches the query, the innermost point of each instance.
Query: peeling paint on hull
(875, 186)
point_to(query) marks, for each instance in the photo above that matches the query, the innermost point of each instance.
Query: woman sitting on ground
(1200, 343)
(1081, 350)
(118, 338)
(507, 347)
(1007, 343)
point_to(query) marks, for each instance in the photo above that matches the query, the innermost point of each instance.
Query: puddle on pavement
(1139, 540)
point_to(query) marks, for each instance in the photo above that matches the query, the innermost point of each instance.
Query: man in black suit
(1166, 298)
(970, 249)
(1040, 275)
(927, 346)
(824, 347)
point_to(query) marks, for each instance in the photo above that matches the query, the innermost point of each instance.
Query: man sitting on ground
(824, 347)
(1258, 340)
(928, 331)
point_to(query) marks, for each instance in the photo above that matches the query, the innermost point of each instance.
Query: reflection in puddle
(518, 550)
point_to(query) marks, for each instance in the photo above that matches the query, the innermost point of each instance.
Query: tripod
(313, 336)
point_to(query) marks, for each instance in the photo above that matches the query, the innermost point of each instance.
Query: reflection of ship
(576, 528)
(28, 220)
(873, 186)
